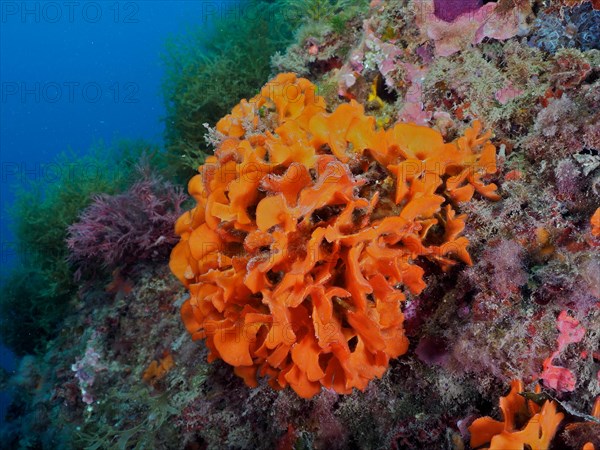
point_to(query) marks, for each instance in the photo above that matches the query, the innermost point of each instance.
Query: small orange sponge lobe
(595, 221)
(307, 233)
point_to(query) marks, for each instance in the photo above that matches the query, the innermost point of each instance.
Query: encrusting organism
(306, 234)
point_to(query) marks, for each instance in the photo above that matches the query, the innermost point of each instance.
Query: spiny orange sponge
(305, 233)
(525, 424)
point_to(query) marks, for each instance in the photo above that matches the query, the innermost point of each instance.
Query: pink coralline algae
(384, 54)
(560, 378)
(413, 109)
(387, 56)
(507, 93)
(454, 25)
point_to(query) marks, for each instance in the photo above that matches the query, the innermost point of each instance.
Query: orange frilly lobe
(595, 221)
(158, 368)
(525, 424)
(304, 237)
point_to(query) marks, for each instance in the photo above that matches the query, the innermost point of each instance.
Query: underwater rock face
(448, 10)
(365, 159)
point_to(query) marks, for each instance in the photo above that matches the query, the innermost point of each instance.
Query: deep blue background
(110, 50)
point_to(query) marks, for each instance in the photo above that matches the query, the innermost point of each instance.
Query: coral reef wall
(498, 341)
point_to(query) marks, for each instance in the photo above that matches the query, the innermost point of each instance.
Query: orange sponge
(541, 424)
(595, 221)
(306, 234)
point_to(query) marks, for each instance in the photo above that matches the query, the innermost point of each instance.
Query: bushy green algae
(37, 292)
(206, 75)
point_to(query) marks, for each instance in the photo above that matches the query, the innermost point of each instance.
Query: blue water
(73, 73)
